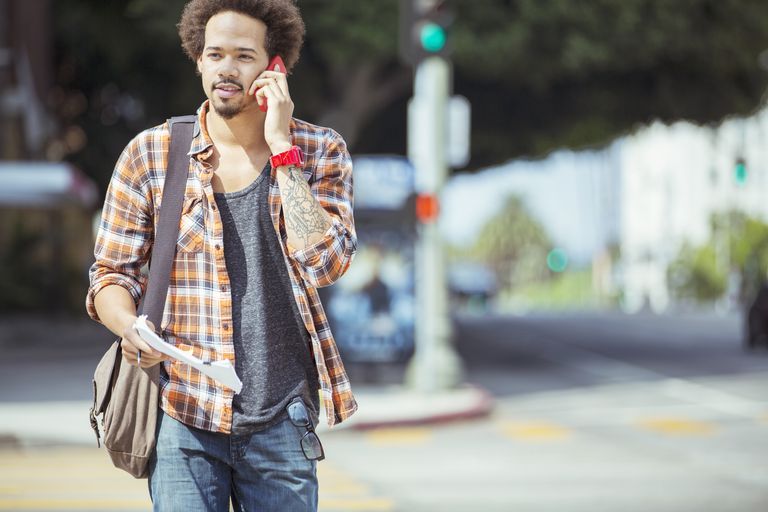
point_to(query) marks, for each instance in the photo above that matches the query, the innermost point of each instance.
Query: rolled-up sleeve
(328, 259)
(125, 231)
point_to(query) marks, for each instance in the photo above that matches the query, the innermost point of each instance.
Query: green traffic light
(741, 172)
(432, 37)
(557, 260)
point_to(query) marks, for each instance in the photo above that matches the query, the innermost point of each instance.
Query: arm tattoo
(303, 214)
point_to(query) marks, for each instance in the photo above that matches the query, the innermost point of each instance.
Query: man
(255, 242)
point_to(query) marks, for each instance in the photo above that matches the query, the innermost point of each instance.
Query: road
(594, 412)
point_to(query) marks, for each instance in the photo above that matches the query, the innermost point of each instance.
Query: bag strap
(164, 246)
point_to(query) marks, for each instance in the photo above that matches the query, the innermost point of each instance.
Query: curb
(481, 409)
(65, 423)
(405, 408)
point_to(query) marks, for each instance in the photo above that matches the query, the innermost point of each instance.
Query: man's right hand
(133, 343)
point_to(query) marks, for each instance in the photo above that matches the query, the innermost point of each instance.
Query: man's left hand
(272, 86)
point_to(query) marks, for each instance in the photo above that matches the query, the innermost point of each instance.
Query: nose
(227, 68)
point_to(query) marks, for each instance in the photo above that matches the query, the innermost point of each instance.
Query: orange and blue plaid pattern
(198, 312)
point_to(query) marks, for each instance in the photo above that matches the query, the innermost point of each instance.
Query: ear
(200, 65)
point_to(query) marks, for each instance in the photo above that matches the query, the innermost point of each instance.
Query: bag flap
(104, 375)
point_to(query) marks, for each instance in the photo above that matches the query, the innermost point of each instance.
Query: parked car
(756, 320)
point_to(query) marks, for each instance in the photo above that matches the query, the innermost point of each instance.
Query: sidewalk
(66, 422)
(45, 388)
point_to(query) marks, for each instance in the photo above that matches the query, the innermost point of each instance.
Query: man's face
(233, 56)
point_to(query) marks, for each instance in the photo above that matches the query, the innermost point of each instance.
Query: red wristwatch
(293, 156)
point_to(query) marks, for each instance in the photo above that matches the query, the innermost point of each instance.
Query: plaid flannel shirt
(198, 311)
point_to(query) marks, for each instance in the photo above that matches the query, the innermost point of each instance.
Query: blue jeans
(265, 471)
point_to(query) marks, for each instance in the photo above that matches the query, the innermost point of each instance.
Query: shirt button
(223, 287)
(214, 207)
(218, 247)
(226, 327)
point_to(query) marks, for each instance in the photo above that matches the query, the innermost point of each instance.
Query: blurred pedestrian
(266, 220)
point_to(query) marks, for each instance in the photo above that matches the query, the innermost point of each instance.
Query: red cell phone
(275, 64)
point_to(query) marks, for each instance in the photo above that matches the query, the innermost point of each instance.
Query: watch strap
(294, 156)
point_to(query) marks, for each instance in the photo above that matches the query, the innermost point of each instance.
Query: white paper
(222, 371)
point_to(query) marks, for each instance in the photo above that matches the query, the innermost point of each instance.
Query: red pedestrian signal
(427, 208)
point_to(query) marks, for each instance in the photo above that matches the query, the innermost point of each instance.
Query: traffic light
(424, 30)
(557, 260)
(740, 171)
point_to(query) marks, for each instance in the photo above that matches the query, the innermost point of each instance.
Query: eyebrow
(220, 49)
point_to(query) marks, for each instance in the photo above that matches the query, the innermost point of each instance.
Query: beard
(230, 107)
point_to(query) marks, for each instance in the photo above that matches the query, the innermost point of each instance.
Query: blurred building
(626, 210)
(673, 178)
(25, 78)
(45, 206)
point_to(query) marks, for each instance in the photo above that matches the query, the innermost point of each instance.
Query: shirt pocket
(192, 226)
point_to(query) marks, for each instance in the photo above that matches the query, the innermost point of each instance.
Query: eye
(214, 55)
(246, 57)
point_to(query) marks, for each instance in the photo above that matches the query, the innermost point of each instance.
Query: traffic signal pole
(435, 364)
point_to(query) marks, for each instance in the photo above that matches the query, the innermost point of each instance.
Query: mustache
(227, 81)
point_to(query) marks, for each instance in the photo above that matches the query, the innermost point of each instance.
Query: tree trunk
(361, 95)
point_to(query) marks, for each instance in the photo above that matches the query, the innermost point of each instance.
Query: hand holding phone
(275, 64)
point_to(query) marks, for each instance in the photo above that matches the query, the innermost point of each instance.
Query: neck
(245, 129)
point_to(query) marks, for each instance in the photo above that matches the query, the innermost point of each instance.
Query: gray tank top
(272, 347)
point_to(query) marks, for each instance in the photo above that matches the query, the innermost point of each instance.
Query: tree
(541, 74)
(514, 245)
(739, 244)
(695, 275)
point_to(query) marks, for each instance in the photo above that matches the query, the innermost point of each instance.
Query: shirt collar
(202, 145)
(201, 141)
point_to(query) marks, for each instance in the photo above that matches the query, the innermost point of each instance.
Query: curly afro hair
(285, 28)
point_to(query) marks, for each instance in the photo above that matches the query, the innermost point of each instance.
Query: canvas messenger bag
(126, 396)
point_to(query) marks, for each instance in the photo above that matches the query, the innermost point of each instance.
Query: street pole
(435, 364)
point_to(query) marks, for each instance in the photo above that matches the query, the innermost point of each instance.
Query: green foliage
(120, 69)
(554, 73)
(541, 74)
(569, 290)
(22, 283)
(695, 275)
(346, 33)
(739, 244)
(748, 249)
(34, 274)
(514, 245)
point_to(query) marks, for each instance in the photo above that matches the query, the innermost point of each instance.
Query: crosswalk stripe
(345, 488)
(365, 504)
(678, 426)
(534, 431)
(83, 479)
(73, 504)
(399, 436)
(339, 491)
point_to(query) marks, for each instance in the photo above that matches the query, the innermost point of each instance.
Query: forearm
(305, 219)
(116, 308)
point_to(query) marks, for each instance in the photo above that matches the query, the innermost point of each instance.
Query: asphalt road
(594, 412)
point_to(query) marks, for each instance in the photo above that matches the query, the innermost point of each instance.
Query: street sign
(457, 131)
(459, 113)
(382, 182)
